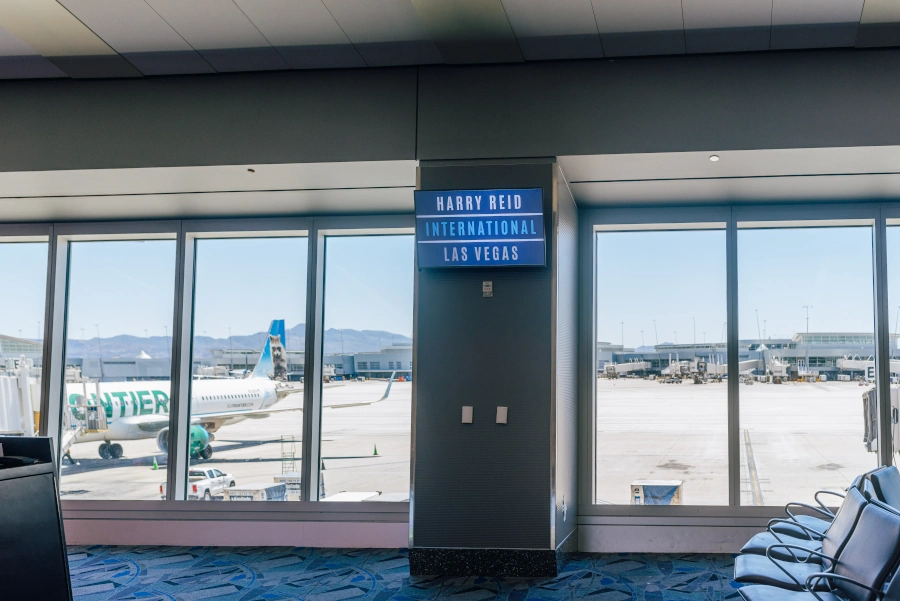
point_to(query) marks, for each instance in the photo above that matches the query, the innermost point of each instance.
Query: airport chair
(811, 522)
(886, 484)
(875, 541)
(858, 575)
(830, 542)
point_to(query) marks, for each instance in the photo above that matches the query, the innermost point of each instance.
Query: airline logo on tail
(273, 362)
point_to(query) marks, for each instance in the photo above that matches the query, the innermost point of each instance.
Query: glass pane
(367, 394)
(807, 340)
(662, 403)
(247, 387)
(22, 336)
(893, 269)
(118, 368)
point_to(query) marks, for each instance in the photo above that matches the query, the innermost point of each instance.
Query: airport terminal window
(246, 401)
(806, 326)
(366, 416)
(22, 335)
(118, 369)
(662, 402)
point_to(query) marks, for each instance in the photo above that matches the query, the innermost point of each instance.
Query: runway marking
(751, 468)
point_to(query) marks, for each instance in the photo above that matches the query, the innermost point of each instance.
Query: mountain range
(126, 346)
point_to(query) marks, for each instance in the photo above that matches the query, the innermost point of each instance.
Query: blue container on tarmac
(657, 492)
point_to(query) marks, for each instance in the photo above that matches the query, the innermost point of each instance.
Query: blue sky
(670, 277)
(674, 277)
(24, 274)
(127, 287)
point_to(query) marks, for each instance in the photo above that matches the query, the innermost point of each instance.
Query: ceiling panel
(732, 164)
(727, 25)
(821, 188)
(52, 31)
(219, 178)
(221, 33)
(640, 27)
(554, 30)
(385, 32)
(18, 60)
(814, 23)
(137, 32)
(303, 31)
(469, 31)
(364, 201)
(880, 24)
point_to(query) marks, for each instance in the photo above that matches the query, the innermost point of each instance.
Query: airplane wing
(223, 417)
(386, 393)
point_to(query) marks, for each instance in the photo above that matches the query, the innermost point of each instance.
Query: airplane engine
(199, 444)
(162, 440)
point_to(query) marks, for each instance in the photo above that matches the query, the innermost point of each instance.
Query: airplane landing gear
(206, 453)
(110, 451)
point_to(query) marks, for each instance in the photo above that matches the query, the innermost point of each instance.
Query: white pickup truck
(204, 484)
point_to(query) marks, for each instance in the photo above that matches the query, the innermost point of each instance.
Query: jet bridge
(866, 366)
(615, 370)
(870, 420)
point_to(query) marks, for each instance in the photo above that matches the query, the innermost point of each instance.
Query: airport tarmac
(251, 450)
(799, 438)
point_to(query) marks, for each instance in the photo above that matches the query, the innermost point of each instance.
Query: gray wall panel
(285, 117)
(744, 101)
(484, 485)
(566, 362)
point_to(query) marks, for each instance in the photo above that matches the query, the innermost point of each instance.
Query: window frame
(594, 221)
(186, 232)
(351, 226)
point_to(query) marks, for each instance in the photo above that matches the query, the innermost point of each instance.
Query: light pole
(695, 329)
(231, 349)
(807, 307)
(166, 330)
(100, 348)
(895, 328)
(764, 328)
(758, 333)
(642, 337)
(655, 332)
(622, 323)
(342, 341)
(40, 335)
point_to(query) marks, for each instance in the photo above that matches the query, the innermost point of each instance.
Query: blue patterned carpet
(253, 573)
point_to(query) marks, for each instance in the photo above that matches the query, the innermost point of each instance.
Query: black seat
(835, 537)
(886, 483)
(859, 574)
(823, 517)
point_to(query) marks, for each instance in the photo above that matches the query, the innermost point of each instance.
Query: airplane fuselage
(128, 404)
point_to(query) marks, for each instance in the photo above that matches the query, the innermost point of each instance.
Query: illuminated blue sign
(480, 228)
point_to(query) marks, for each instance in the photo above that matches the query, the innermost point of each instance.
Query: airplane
(140, 410)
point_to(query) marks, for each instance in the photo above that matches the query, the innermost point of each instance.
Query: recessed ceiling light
(713, 157)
